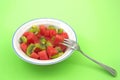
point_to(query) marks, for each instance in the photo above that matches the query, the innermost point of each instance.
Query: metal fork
(73, 45)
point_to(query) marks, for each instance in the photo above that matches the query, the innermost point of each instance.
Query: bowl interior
(27, 25)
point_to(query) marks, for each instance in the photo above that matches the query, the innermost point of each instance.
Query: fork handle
(107, 68)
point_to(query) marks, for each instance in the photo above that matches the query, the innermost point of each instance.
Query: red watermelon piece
(31, 37)
(52, 40)
(58, 39)
(43, 55)
(23, 46)
(34, 55)
(42, 29)
(52, 32)
(51, 51)
(62, 47)
(65, 35)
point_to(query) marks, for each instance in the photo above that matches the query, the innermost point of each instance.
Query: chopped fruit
(31, 38)
(26, 34)
(23, 39)
(34, 29)
(52, 33)
(65, 35)
(63, 48)
(43, 55)
(51, 51)
(34, 55)
(58, 39)
(42, 29)
(43, 42)
(37, 50)
(51, 27)
(40, 46)
(30, 49)
(38, 35)
(23, 46)
(57, 55)
(60, 30)
(58, 49)
(47, 33)
(48, 43)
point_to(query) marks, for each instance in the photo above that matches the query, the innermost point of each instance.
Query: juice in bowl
(39, 41)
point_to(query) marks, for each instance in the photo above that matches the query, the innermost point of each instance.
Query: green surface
(96, 23)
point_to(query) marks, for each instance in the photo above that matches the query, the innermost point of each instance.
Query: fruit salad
(43, 42)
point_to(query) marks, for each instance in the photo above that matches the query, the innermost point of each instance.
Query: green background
(96, 23)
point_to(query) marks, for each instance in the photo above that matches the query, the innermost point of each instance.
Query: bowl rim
(45, 60)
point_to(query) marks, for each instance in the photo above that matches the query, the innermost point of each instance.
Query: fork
(73, 45)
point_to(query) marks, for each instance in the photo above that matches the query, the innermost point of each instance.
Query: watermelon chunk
(58, 39)
(23, 46)
(47, 33)
(51, 51)
(52, 32)
(31, 38)
(43, 42)
(26, 34)
(36, 50)
(63, 48)
(65, 35)
(34, 55)
(38, 35)
(42, 29)
(43, 55)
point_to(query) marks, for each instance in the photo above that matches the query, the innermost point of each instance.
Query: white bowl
(19, 32)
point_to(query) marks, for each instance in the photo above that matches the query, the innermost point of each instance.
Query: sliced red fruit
(51, 51)
(50, 40)
(42, 29)
(26, 34)
(46, 33)
(65, 35)
(36, 40)
(48, 46)
(58, 39)
(63, 48)
(31, 38)
(23, 46)
(37, 50)
(52, 33)
(34, 55)
(38, 35)
(43, 55)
